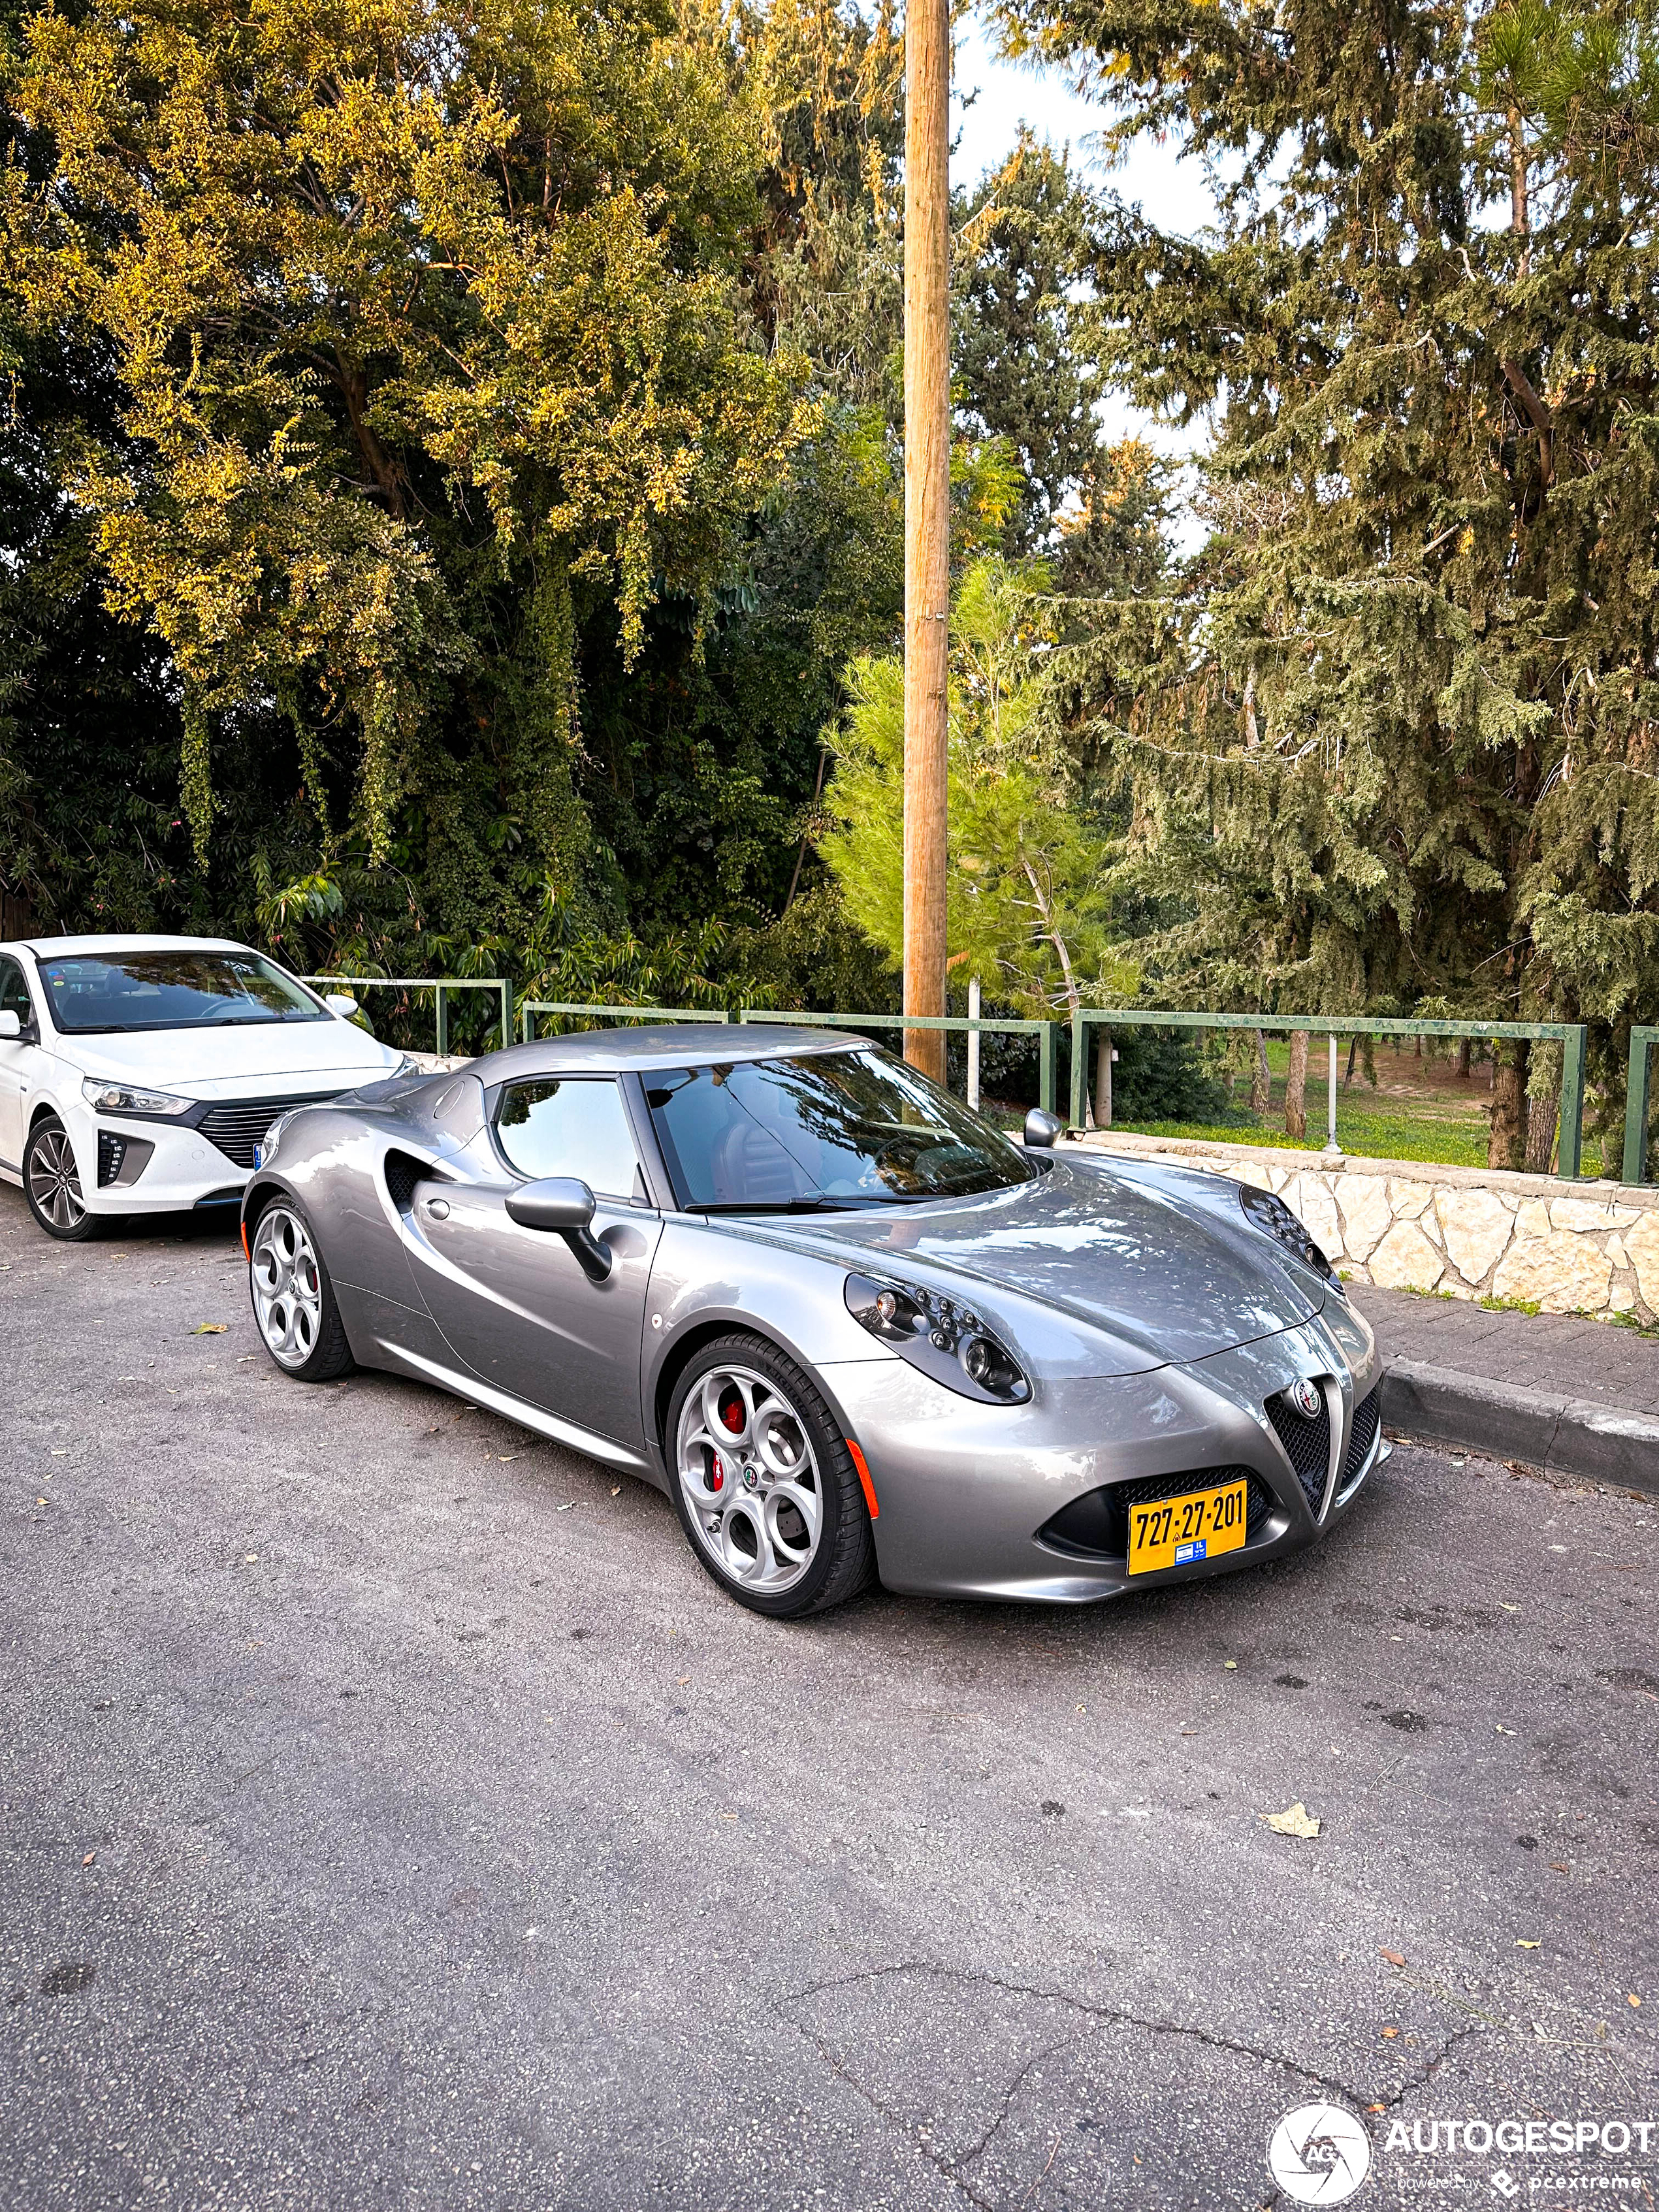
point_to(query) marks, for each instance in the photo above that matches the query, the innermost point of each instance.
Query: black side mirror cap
(563, 1205)
(1042, 1128)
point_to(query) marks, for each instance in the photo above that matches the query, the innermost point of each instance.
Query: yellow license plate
(1176, 1532)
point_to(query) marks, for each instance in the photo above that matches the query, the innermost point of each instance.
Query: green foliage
(1025, 910)
(1394, 747)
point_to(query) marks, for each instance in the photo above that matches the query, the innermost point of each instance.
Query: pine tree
(1401, 752)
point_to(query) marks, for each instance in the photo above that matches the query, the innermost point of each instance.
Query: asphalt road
(392, 1816)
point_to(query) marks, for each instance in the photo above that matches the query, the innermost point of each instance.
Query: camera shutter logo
(1320, 2155)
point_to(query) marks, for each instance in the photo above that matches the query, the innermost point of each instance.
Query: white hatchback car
(138, 1074)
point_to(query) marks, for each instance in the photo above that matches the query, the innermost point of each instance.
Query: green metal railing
(530, 1008)
(440, 985)
(1570, 1035)
(1642, 1038)
(1046, 1034)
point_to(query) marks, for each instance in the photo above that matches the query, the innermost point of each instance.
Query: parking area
(395, 1816)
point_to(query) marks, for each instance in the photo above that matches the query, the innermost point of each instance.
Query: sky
(986, 126)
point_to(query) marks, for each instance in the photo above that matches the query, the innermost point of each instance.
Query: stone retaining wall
(1473, 1232)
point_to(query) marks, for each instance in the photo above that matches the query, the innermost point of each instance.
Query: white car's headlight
(121, 1098)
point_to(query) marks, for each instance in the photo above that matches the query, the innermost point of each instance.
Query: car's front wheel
(293, 1300)
(51, 1183)
(764, 1483)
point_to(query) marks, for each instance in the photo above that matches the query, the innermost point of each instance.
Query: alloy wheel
(55, 1180)
(749, 1475)
(288, 1286)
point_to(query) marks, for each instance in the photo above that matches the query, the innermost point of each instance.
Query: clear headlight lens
(1272, 1215)
(121, 1098)
(946, 1340)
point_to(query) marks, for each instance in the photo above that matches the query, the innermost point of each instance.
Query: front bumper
(183, 1169)
(963, 1490)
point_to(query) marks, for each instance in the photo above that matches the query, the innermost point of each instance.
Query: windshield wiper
(783, 1205)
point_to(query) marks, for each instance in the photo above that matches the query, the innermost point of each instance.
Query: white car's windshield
(95, 993)
(827, 1130)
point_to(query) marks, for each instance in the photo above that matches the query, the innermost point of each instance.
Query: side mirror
(10, 1027)
(341, 1003)
(1042, 1129)
(563, 1205)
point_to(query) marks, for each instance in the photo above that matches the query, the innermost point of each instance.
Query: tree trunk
(1295, 1086)
(1464, 1046)
(1506, 1147)
(1102, 1078)
(1542, 1114)
(1261, 1082)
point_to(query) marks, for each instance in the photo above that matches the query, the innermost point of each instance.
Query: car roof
(50, 948)
(663, 1044)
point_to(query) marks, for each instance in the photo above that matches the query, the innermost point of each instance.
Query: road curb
(1540, 1428)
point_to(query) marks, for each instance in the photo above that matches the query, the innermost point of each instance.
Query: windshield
(829, 1129)
(94, 993)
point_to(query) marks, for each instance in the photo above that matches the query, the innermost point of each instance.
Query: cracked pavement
(393, 1817)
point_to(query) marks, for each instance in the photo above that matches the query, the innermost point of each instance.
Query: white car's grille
(237, 1125)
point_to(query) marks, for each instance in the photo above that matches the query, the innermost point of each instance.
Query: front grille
(236, 1126)
(1097, 1525)
(112, 1151)
(1367, 1419)
(1307, 1445)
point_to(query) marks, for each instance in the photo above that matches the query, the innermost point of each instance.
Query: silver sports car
(853, 1330)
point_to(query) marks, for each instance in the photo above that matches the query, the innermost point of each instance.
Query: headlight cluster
(1272, 1213)
(946, 1340)
(120, 1098)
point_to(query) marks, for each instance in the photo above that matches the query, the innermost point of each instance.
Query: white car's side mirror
(341, 1003)
(9, 1025)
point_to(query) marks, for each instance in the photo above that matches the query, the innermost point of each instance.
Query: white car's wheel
(294, 1301)
(51, 1183)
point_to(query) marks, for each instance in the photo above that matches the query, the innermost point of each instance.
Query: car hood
(1161, 1262)
(228, 1063)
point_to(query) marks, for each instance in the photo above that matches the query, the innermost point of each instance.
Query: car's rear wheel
(51, 1183)
(293, 1300)
(764, 1483)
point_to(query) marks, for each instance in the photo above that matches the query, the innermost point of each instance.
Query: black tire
(295, 1308)
(52, 1184)
(842, 1561)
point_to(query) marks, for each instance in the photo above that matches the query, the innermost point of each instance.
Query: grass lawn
(1417, 1109)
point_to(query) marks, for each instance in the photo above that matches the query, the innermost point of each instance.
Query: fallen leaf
(565, 1508)
(89, 1859)
(1376, 2108)
(506, 1458)
(210, 1329)
(728, 1816)
(250, 1556)
(1231, 1666)
(1392, 2034)
(1524, 1943)
(1394, 1958)
(1295, 1820)
(617, 1493)
(1501, 1729)
(1633, 1999)
(1507, 1606)
(1558, 1866)
(682, 1681)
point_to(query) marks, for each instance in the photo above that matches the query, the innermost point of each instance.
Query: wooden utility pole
(927, 515)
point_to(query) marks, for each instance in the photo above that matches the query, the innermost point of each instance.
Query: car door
(514, 1304)
(19, 1057)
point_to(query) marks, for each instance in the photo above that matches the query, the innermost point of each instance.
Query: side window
(570, 1126)
(14, 993)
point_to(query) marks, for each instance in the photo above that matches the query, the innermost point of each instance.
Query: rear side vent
(403, 1171)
